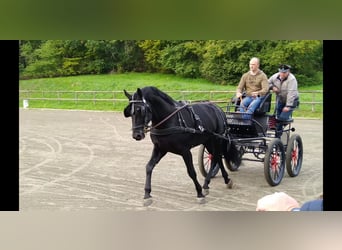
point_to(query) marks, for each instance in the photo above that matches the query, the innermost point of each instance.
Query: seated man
(284, 84)
(255, 84)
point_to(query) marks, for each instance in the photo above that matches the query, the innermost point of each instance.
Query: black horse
(177, 127)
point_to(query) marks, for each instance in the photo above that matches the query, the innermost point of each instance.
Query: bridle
(144, 109)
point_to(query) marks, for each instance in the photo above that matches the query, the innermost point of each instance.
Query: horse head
(140, 112)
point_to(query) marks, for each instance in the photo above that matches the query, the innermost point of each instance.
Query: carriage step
(250, 144)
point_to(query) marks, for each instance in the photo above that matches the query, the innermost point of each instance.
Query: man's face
(253, 65)
(283, 74)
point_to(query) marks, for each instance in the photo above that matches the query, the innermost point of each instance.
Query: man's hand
(275, 89)
(286, 109)
(255, 94)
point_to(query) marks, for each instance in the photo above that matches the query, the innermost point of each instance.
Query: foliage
(183, 58)
(218, 61)
(152, 50)
(225, 61)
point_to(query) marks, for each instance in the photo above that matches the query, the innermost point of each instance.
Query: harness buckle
(200, 127)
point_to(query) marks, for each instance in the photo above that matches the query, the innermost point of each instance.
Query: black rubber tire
(274, 164)
(294, 155)
(204, 162)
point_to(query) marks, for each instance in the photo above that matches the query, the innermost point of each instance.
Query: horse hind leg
(208, 177)
(187, 157)
(231, 153)
(227, 180)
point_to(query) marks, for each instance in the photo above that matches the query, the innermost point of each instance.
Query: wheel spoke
(294, 156)
(275, 163)
(207, 162)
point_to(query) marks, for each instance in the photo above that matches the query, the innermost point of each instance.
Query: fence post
(113, 98)
(313, 100)
(25, 103)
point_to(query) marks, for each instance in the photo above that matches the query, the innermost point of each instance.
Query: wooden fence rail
(118, 96)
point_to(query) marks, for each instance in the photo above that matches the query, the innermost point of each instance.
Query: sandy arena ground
(85, 160)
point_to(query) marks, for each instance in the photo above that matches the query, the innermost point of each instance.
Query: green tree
(26, 53)
(225, 61)
(153, 50)
(220, 61)
(183, 58)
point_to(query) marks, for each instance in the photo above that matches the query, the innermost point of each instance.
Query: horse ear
(127, 112)
(139, 93)
(129, 96)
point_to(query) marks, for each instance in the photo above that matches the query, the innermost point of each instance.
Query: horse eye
(140, 110)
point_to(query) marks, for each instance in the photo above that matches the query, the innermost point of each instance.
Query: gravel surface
(88, 160)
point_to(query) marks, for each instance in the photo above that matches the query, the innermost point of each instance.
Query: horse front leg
(187, 157)
(155, 158)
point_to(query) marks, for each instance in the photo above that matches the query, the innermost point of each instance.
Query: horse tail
(231, 152)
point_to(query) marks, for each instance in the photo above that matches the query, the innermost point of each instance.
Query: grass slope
(130, 82)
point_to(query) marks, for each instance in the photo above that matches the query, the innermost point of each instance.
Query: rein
(166, 118)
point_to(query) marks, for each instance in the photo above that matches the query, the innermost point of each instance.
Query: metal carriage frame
(255, 138)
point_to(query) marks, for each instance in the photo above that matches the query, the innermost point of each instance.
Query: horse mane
(152, 92)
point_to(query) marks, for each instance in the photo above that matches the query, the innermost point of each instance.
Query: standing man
(255, 84)
(284, 85)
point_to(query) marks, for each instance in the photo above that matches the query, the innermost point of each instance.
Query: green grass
(131, 81)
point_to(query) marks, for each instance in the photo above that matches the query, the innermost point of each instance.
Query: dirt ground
(85, 160)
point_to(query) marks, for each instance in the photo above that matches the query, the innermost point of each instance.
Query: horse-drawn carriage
(178, 126)
(255, 138)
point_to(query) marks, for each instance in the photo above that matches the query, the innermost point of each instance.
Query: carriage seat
(265, 105)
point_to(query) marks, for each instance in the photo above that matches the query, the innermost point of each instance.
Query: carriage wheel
(204, 162)
(294, 155)
(274, 164)
(231, 165)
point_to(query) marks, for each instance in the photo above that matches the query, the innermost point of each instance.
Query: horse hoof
(205, 191)
(147, 202)
(230, 184)
(201, 200)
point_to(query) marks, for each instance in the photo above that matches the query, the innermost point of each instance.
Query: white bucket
(25, 104)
